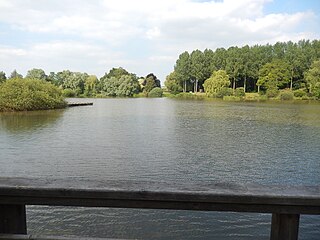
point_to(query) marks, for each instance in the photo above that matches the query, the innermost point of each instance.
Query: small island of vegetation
(18, 94)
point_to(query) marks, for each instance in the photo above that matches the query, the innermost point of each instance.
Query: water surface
(164, 140)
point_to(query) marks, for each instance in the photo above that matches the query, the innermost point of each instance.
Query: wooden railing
(284, 202)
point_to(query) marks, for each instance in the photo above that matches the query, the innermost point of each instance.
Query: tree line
(284, 65)
(236, 70)
(118, 82)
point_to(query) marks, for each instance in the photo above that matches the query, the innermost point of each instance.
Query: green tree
(182, 69)
(109, 86)
(244, 65)
(2, 77)
(219, 59)
(15, 74)
(116, 72)
(129, 86)
(36, 73)
(233, 65)
(125, 86)
(118, 82)
(218, 80)
(150, 82)
(155, 92)
(197, 69)
(172, 83)
(208, 65)
(294, 57)
(73, 80)
(90, 86)
(312, 77)
(274, 75)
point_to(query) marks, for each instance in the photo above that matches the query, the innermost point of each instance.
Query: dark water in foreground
(164, 140)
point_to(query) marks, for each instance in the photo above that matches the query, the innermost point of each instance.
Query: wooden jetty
(285, 203)
(80, 104)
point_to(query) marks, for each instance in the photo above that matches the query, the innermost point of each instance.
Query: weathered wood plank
(161, 195)
(284, 226)
(13, 219)
(37, 237)
(80, 104)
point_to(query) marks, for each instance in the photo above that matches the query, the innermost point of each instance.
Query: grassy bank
(283, 96)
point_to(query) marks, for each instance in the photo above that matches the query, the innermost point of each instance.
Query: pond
(164, 140)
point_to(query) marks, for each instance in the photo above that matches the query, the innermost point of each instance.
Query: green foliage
(129, 86)
(90, 86)
(232, 98)
(239, 92)
(119, 83)
(2, 77)
(218, 81)
(272, 92)
(223, 92)
(286, 95)
(149, 85)
(187, 96)
(37, 74)
(183, 69)
(155, 92)
(69, 93)
(15, 74)
(299, 93)
(274, 75)
(312, 77)
(150, 82)
(172, 83)
(198, 69)
(74, 81)
(29, 94)
(244, 65)
(125, 86)
(116, 72)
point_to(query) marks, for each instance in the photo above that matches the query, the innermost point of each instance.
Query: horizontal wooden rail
(286, 203)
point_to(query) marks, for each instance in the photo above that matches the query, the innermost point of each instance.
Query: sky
(142, 36)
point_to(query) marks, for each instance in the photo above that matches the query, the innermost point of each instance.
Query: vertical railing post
(13, 219)
(284, 226)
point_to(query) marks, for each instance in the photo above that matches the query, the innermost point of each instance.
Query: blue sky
(142, 36)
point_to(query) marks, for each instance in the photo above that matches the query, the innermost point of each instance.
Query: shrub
(286, 95)
(272, 93)
(316, 91)
(299, 93)
(223, 92)
(69, 92)
(29, 94)
(239, 92)
(155, 92)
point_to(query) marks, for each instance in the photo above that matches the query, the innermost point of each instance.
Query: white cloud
(91, 35)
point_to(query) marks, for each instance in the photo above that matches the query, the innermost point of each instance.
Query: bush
(316, 91)
(69, 92)
(239, 92)
(299, 93)
(29, 94)
(272, 93)
(223, 92)
(155, 92)
(286, 95)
